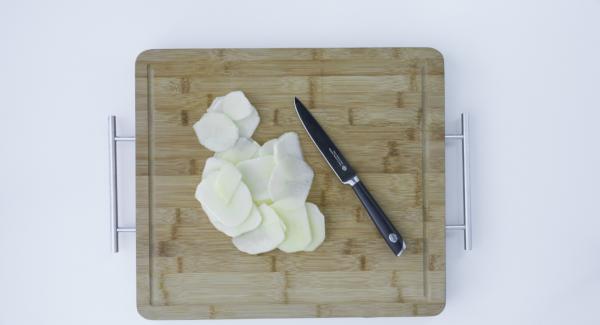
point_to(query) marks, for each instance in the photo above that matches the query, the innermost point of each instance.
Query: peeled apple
(266, 237)
(248, 125)
(251, 223)
(243, 149)
(288, 145)
(316, 219)
(216, 131)
(215, 106)
(236, 105)
(213, 164)
(256, 173)
(267, 148)
(230, 214)
(290, 178)
(293, 214)
(255, 193)
(227, 182)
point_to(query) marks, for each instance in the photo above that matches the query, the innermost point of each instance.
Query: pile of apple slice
(255, 194)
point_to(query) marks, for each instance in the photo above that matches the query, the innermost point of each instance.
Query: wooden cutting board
(384, 108)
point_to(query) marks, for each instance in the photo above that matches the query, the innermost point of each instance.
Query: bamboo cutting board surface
(384, 108)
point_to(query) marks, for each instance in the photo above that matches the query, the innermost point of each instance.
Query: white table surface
(527, 71)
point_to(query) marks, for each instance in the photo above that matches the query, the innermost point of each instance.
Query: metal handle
(466, 182)
(114, 200)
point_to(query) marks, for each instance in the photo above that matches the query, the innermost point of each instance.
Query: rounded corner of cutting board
(145, 313)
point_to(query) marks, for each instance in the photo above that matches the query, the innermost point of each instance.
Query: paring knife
(346, 174)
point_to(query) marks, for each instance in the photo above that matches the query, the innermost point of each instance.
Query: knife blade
(342, 169)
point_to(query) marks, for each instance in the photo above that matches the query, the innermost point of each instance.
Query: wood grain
(384, 107)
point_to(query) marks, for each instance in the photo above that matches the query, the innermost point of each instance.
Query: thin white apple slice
(243, 149)
(215, 106)
(251, 223)
(267, 148)
(288, 144)
(290, 178)
(231, 214)
(248, 125)
(256, 173)
(293, 213)
(216, 131)
(236, 105)
(266, 237)
(228, 180)
(213, 164)
(316, 220)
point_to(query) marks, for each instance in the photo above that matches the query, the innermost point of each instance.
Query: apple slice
(317, 226)
(290, 178)
(243, 149)
(228, 180)
(215, 106)
(255, 174)
(288, 144)
(292, 212)
(236, 105)
(267, 148)
(266, 237)
(216, 131)
(248, 125)
(213, 164)
(230, 214)
(251, 223)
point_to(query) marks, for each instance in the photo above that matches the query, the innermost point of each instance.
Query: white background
(527, 71)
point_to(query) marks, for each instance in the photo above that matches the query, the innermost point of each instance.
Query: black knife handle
(384, 225)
